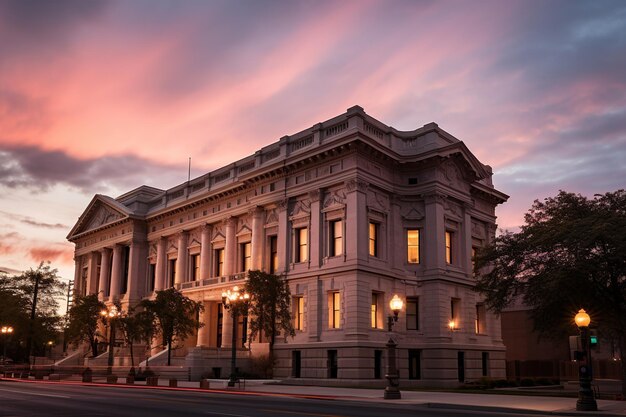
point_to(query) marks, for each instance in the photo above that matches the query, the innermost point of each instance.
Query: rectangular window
(298, 312)
(151, 276)
(376, 311)
(373, 239)
(333, 365)
(246, 256)
(301, 244)
(413, 246)
(195, 267)
(296, 363)
(125, 270)
(485, 363)
(415, 364)
(172, 272)
(336, 237)
(378, 364)
(273, 254)
(480, 319)
(219, 262)
(461, 366)
(455, 313)
(412, 313)
(334, 310)
(219, 326)
(448, 247)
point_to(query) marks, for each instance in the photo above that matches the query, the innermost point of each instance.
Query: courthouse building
(350, 212)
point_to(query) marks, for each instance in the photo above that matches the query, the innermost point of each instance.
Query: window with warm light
(413, 246)
(373, 239)
(481, 313)
(334, 310)
(171, 272)
(335, 237)
(301, 245)
(298, 312)
(448, 247)
(195, 267)
(273, 245)
(455, 311)
(376, 311)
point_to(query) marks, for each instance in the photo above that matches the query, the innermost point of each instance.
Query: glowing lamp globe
(582, 319)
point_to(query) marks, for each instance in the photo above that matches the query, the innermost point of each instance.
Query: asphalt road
(57, 400)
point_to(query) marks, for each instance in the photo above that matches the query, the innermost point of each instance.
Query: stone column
(230, 250)
(78, 266)
(356, 228)
(258, 237)
(137, 269)
(116, 271)
(181, 260)
(433, 242)
(283, 239)
(203, 332)
(92, 276)
(227, 329)
(161, 264)
(105, 273)
(315, 235)
(205, 252)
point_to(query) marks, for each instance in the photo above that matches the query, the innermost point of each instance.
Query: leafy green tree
(175, 316)
(38, 291)
(269, 307)
(570, 254)
(84, 316)
(135, 326)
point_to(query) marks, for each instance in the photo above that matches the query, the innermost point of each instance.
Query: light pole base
(586, 404)
(392, 393)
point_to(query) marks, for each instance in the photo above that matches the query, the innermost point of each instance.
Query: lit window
(449, 247)
(172, 272)
(334, 310)
(413, 246)
(412, 313)
(455, 316)
(376, 311)
(336, 237)
(301, 246)
(373, 239)
(480, 319)
(246, 256)
(298, 312)
(219, 262)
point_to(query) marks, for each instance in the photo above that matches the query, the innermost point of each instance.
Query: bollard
(173, 383)
(152, 381)
(130, 379)
(87, 375)
(111, 379)
(205, 384)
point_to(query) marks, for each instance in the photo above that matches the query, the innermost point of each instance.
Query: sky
(104, 96)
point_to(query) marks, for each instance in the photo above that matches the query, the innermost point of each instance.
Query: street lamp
(392, 392)
(6, 332)
(231, 300)
(586, 400)
(110, 314)
(50, 343)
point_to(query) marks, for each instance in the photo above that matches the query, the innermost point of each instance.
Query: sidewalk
(432, 399)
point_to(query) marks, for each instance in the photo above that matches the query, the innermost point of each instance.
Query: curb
(487, 408)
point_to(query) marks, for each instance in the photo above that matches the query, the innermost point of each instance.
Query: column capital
(256, 211)
(434, 197)
(315, 195)
(282, 204)
(230, 221)
(356, 184)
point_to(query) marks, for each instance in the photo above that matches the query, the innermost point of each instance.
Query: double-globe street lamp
(586, 400)
(392, 391)
(234, 300)
(6, 332)
(110, 315)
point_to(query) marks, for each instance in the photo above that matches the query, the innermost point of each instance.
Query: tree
(570, 254)
(175, 316)
(135, 326)
(38, 290)
(269, 307)
(84, 316)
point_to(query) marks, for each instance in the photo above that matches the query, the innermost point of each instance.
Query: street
(58, 400)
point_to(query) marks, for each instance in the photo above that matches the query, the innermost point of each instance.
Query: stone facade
(351, 212)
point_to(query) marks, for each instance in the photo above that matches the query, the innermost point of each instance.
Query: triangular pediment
(101, 211)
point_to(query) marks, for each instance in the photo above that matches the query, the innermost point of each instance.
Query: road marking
(32, 393)
(301, 413)
(226, 414)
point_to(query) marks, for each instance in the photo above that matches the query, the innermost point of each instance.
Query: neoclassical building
(350, 212)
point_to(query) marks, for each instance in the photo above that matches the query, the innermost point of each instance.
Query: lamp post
(586, 400)
(392, 392)
(110, 314)
(6, 332)
(231, 300)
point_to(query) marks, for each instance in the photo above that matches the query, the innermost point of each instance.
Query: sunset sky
(104, 96)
